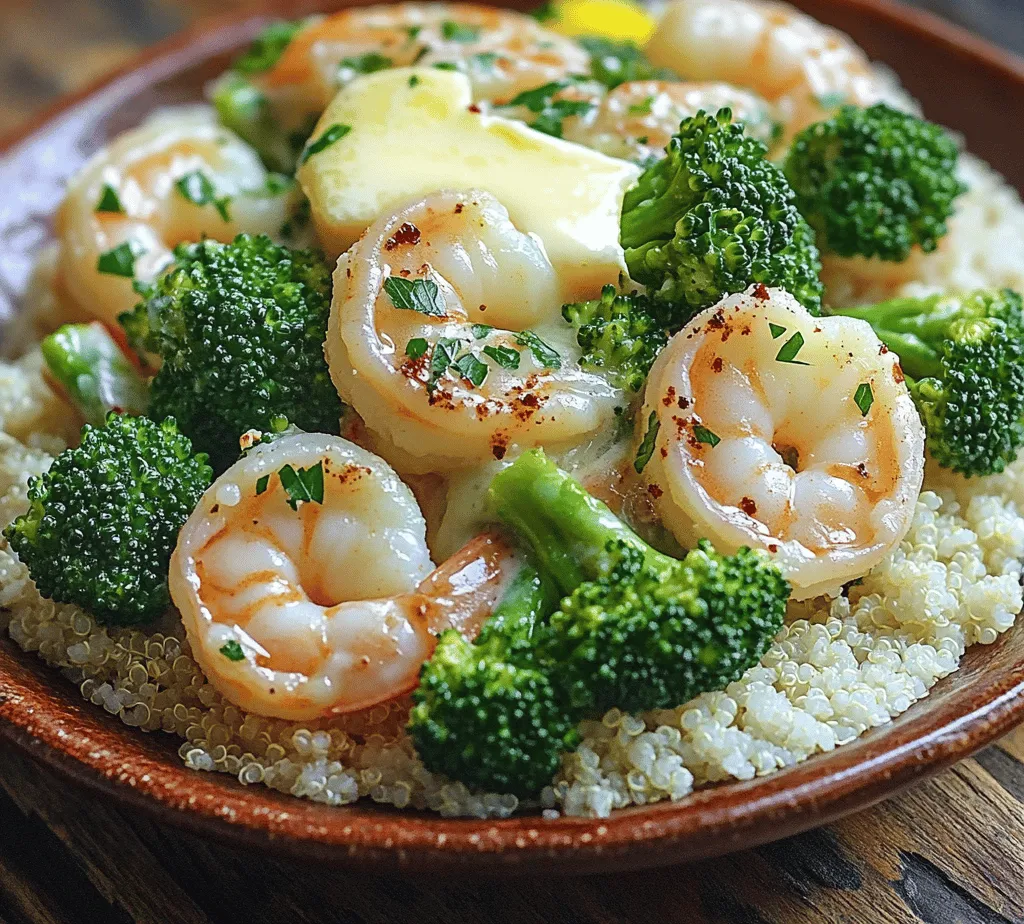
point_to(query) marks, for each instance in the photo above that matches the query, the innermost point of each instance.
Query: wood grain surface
(951, 850)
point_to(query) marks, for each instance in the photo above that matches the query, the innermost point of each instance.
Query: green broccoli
(103, 521)
(875, 182)
(617, 62)
(713, 217)
(485, 712)
(963, 358)
(638, 629)
(92, 369)
(620, 335)
(240, 329)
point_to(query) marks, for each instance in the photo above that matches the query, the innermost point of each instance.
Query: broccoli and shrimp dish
(476, 412)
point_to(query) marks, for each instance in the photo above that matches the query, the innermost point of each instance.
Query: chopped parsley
(471, 369)
(420, 295)
(646, 450)
(413, 32)
(369, 63)
(788, 352)
(267, 47)
(196, 188)
(414, 81)
(452, 31)
(504, 356)
(261, 485)
(777, 330)
(486, 60)
(614, 62)
(232, 651)
(416, 348)
(335, 133)
(642, 108)
(121, 260)
(445, 66)
(864, 398)
(550, 112)
(544, 354)
(109, 201)
(546, 12)
(703, 435)
(442, 357)
(481, 330)
(303, 486)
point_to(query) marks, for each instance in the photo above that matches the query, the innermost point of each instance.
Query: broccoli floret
(617, 62)
(485, 712)
(93, 371)
(240, 329)
(103, 521)
(713, 217)
(875, 182)
(638, 629)
(619, 334)
(963, 358)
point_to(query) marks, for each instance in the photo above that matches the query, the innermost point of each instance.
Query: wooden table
(951, 850)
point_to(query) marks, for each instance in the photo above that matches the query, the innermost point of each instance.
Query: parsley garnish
(261, 484)
(420, 295)
(197, 189)
(864, 398)
(504, 356)
(413, 32)
(787, 354)
(646, 450)
(369, 63)
(481, 330)
(777, 330)
(546, 12)
(414, 81)
(550, 112)
(703, 435)
(335, 133)
(445, 66)
(267, 48)
(232, 651)
(544, 354)
(486, 59)
(642, 108)
(442, 357)
(416, 348)
(109, 201)
(303, 486)
(457, 32)
(121, 260)
(471, 369)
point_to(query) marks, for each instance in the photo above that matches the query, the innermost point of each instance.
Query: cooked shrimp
(446, 336)
(127, 204)
(501, 51)
(636, 120)
(327, 608)
(775, 429)
(806, 69)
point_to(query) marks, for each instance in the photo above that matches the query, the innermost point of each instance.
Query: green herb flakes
(452, 31)
(504, 356)
(646, 450)
(480, 331)
(777, 330)
(420, 295)
(642, 108)
(261, 485)
(703, 435)
(335, 133)
(544, 354)
(471, 369)
(369, 63)
(109, 201)
(416, 348)
(864, 398)
(196, 188)
(232, 651)
(121, 260)
(790, 349)
(305, 485)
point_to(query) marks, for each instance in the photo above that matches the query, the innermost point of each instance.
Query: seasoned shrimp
(179, 177)
(446, 336)
(806, 69)
(330, 607)
(501, 51)
(636, 120)
(765, 426)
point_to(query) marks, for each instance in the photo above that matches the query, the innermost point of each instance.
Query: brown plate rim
(705, 824)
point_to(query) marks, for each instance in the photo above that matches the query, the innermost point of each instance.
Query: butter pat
(407, 141)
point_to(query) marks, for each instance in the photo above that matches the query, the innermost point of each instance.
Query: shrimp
(179, 177)
(501, 51)
(767, 427)
(330, 607)
(635, 121)
(446, 337)
(804, 68)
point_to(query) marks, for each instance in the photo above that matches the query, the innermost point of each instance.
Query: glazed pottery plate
(963, 83)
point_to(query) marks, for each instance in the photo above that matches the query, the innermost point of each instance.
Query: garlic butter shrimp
(446, 337)
(501, 51)
(806, 69)
(778, 430)
(179, 177)
(636, 120)
(328, 608)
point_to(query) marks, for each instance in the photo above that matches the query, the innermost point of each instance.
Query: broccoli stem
(567, 528)
(527, 599)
